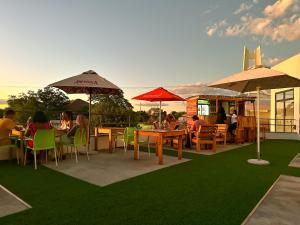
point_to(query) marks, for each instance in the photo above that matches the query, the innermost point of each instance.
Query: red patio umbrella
(159, 95)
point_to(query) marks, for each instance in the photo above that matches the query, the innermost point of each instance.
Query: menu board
(203, 107)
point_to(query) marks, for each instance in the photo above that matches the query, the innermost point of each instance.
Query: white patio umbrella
(88, 82)
(257, 79)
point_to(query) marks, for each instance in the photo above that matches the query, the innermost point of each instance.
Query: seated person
(81, 123)
(66, 122)
(156, 125)
(38, 121)
(7, 124)
(170, 122)
(197, 123)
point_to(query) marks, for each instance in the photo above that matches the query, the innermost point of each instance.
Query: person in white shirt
(233, 124)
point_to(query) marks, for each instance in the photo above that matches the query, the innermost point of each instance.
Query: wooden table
(160, 135)
(111, 131)
(20, 134)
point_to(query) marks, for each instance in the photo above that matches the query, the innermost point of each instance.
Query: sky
(140, 44)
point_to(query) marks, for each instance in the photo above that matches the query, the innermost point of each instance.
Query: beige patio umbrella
(88, 82)
(257, 79)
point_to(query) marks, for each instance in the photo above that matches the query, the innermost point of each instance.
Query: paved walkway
(9, 203)
(280, 205)
(220, 148)
(295, 162)
(106, 168)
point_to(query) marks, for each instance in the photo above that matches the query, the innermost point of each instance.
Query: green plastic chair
(11, 146)
(44, 139)
(128, 139)
(80, 140)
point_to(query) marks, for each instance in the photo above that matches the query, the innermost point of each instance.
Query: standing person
(233, 124)
(7, 124)
(221, 116)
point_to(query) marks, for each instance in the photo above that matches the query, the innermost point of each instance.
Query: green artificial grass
(217, 189)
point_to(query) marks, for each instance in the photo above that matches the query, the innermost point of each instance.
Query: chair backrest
(44, 139)
(222, 128)
(173, 125)
(80, 137)
(129, 134)
(208, 131)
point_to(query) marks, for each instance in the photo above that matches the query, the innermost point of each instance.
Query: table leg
(156, 149)
(96, 139)
(180, 147)
(110, 142)
(160, 149)
(21, 151)
(136, 146)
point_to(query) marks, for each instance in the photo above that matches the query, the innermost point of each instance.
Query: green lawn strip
(216, 189)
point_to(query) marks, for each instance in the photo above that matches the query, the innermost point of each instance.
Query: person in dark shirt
(221, 116)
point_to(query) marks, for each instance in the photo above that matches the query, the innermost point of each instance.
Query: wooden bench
(221, 135)
(205, 135)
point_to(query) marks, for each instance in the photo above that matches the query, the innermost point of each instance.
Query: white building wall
(273, 110)
(290, 66)
(297, 108)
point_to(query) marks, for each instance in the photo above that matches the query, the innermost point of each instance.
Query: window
(203, 107)
(284, 112)
(279, 96)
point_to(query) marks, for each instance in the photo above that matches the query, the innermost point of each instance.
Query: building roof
(222, 97)
(77, 105)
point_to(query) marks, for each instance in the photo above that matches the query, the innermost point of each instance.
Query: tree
(142, 116)
(178, 114)
(50, 100)
(111, 110)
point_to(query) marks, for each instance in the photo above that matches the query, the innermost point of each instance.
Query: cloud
(272, 61)
(269, 26)
(211, 30)
(264, 27)
(3, 101)
(243, 7)
(206, 11)
(249, 25)
(279, 8)
(188, 90)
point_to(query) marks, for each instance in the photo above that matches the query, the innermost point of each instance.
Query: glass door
(284, 113)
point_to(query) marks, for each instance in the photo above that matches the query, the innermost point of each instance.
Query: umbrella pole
(258, 160)
(89, 123)
(258, 123)
(160, 115)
